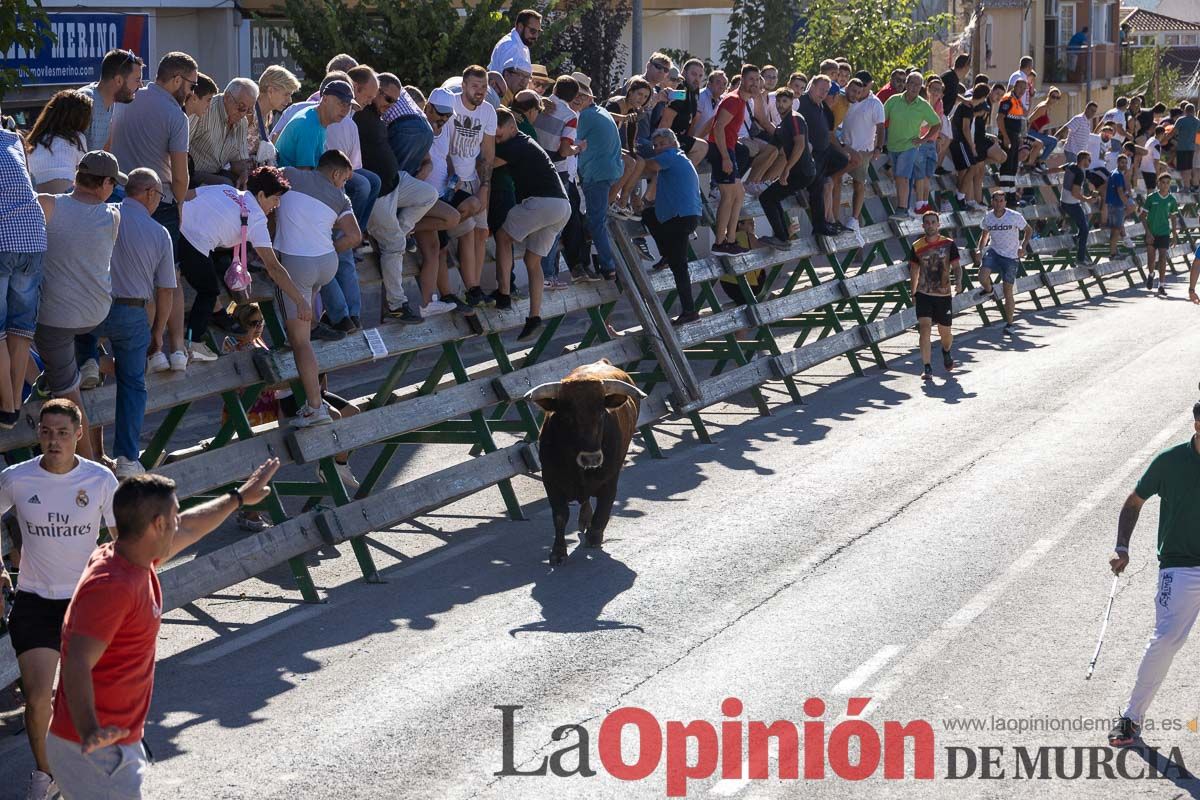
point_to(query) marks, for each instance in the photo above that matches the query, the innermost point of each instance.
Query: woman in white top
(57, 143)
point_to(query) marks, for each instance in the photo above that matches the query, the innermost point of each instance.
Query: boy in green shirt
(1159, 212)
(1173, 475)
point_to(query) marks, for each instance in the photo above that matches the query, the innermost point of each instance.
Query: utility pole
(1090, 50)
(635, 44)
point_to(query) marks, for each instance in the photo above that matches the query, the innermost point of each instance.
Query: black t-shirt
(1145, 121)
(962, 112)
(983, 112)
(685, 112)
(1072, 177)
(953, 89)
(787, 131)
(377, 154)
(629, 131)
(817, 122)
(531, 169)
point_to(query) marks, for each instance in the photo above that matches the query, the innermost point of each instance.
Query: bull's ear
(614, 400)
(605, 361)
(547, 404)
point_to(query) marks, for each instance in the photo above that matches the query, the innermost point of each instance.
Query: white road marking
(925, 650)
(304, 613)
(858, 677)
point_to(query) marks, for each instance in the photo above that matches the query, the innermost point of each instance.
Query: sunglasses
(388, 99)
(659, 65)
(254, 323)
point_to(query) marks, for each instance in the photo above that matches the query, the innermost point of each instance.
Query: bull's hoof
(557, 557)
(595, 542)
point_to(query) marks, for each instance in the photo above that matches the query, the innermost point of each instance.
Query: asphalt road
(939, 548)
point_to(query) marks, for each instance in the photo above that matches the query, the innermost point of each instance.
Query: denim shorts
(20, 289)
(928, 161)
(1114, 216)
(907, 164)
(1006, 268)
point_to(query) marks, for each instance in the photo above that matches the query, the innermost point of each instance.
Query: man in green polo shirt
(1160, 212)
(1174, 475)
(905, 114)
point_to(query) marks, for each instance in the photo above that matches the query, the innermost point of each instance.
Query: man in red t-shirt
(896, 84)
(722, 155)
(110, 632)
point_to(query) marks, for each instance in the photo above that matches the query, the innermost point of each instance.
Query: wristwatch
(241, 501)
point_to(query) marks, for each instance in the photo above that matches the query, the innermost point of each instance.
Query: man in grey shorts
(309, 215)
(81, 230)
(535, 221)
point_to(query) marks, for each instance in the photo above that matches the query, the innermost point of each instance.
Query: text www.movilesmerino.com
(1048, 724)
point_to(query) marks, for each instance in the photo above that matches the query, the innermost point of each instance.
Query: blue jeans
(410, 139)
(342, 296)
(595, 197)
(1075, 212)
(363, 191)
(127, 329)
(20, 289)
(1048, 142)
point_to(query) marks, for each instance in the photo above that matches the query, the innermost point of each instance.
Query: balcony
(1109, 64)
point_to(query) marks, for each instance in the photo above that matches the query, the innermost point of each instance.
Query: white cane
(1103, 627)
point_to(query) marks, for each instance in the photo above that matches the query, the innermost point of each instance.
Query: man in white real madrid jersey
(60, 501)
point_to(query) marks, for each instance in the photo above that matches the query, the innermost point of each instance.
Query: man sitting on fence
(936, 271)
(791, 136)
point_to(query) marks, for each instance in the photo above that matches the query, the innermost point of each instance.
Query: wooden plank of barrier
(248, 557)
(1059, 277)
(513, 385)
(876, 279)
(817, 352)
(729, 383)
(890, 326)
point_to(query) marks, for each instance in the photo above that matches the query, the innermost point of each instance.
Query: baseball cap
(339, 89)
(101, 164)
(442, 100)
(520, 63)
(585, 83)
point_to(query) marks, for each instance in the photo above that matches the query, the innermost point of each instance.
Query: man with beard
(152, 131)
(120, 77)
(522, 37)
(680, 112)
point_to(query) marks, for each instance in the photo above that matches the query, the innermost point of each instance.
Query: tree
(594, 44)
(1153, 77)
(23, 24)
(875, 35)
(760, 32)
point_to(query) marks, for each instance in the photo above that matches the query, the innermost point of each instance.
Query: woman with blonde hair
(276, 86)
(58, 142)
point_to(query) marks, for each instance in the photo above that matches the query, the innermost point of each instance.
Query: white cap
(519, 62)
(442, 100)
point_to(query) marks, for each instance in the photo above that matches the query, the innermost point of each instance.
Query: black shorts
(1161, 242)
(960, 154)
(1184, 159)
(36, 622)
(939, 309)
(719, 175)
(686, 142)
(1098, 177)
(1150, 179)
(501, 201)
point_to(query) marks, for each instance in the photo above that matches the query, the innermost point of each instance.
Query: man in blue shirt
(675, 215)
(303, 139)
(599, 167)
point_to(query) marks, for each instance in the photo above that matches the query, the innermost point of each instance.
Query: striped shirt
(213, 143)
(22, 223)
(403, 107)
(102, 116)
(1079, 128)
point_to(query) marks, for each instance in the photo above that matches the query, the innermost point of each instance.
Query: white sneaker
(41, 786)
(959, 196)
(1128, 242)
(308, 416)
(158, 363)
(436, 307)
(852, 224)
(200, 352)
(89, 377)
(178, 361)
(127, 468)
(348, 479)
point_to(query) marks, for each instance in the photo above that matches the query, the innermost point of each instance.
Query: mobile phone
(677, 94)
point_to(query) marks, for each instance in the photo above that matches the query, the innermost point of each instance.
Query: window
(1145, 41)
(1171, 39)
(1101, 28)
(1067, 27)
(1191, 39)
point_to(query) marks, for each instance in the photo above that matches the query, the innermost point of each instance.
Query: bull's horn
(545, 391)
(612, 386)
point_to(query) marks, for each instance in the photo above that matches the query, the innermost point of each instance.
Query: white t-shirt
(1116, 117)
(212, 219)
(706, 108)
(1027, 98)
(306, 216)
(1004, 232)
(439, 156)
(60, 518)
(470, 126)
(859, 126)
(1098, 148)
(344, 136)
(1153, 154)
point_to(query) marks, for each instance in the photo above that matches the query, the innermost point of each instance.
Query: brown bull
(590, 418)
